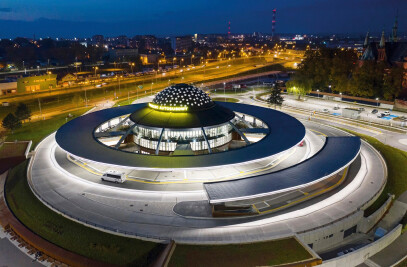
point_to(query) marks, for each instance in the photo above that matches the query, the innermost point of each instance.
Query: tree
(393, 82)
(11, 122)
(299, 85)
(275, 97)
(23, 112)
(367, 81)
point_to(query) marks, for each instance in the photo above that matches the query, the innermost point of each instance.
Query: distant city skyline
(78, 18)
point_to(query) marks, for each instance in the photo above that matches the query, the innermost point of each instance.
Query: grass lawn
(228, 99)
(125, 102)
(37, 130)
(69, 234)
(9, 150)
(228, 91)
(255, 254)
(396, 160)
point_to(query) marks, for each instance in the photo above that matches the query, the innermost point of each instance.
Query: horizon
(22, 18)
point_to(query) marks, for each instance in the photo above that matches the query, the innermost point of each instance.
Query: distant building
(68, 80)
(146, 42)
(98, 39)
(392, 52)
(7, 87)
(123, 54)
(149, 58)
(36, 83)
(183, 43)
(122, 41)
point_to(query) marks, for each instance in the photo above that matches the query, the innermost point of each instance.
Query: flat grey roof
(337, 153)
(77, 138)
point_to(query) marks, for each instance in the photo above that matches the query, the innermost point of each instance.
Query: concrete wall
(367, 223)
(359, 256)
(386, 106)
(330, 235)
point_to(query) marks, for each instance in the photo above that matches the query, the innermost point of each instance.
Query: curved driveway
(150, 214)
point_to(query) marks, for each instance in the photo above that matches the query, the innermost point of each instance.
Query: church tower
(381, 51)
(394, 37)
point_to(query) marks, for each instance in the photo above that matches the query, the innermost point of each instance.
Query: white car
(387, 113)
(114, 176)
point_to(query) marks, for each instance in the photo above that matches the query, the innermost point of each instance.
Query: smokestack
(273, 23)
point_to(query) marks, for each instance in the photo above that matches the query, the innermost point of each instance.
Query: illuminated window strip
(164, 108)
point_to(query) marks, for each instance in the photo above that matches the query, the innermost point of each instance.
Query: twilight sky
(82, 18)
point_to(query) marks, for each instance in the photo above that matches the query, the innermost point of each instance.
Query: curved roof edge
(76, 137)
(337, 153)
(212, 116)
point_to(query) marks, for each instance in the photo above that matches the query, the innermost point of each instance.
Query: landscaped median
(396, 161)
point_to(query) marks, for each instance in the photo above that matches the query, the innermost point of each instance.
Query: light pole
(377, 101)
(119, 84)
(151, 88)
(318, 93)
(224, 90)
(96, 68)
(340, 95)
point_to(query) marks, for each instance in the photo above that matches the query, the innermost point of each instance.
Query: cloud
(5, 9)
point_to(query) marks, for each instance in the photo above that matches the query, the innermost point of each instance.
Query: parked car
(336, 108)
(325, 110)
(361, 109)
(381, 115)
(374, 111)
(387, 113)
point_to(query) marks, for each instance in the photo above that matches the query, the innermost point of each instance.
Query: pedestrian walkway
(27, 238)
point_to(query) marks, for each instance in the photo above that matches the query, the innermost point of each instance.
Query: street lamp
(151, 88)
(377, 101)
(224, 90)
(340, 95)
(96, 68)
(318, 93)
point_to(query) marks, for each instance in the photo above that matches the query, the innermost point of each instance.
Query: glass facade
(149, 137)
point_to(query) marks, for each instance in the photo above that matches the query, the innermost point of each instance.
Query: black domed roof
(182, 106)
(183, 95)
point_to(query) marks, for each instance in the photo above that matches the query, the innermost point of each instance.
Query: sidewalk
(7, 219)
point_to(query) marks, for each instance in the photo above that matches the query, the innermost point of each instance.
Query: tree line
(339, 71)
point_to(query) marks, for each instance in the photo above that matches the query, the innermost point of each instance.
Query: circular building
(181, 128)
(182, 118)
